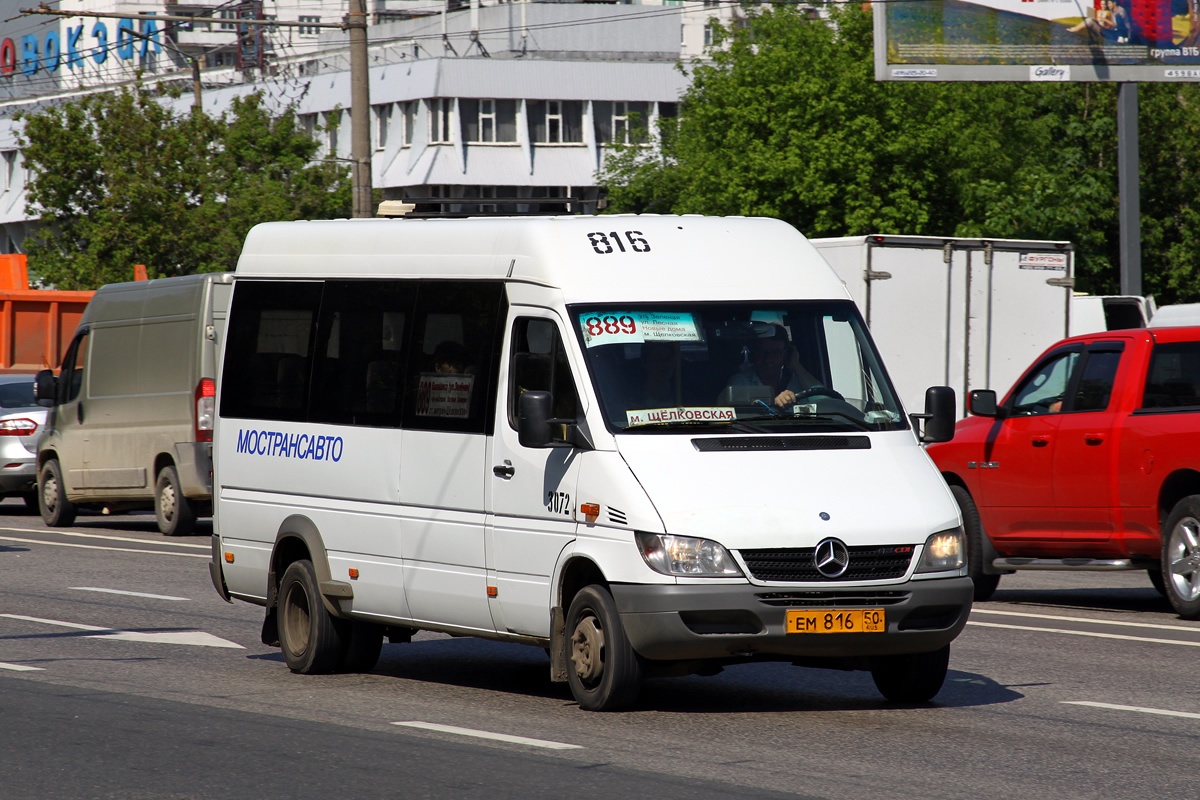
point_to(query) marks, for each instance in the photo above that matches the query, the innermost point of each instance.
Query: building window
(308, 123)
(622, 122)
(556, 121)
(309, 30)
(408, 117)
(439, 120)
(222, 58)
(489, 121)
(230, 15)
(10, 168)
(383, 120)
(332, 121)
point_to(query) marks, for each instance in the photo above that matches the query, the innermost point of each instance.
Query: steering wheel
(815, 390)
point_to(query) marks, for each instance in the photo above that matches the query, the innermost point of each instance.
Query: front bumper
(684, 622)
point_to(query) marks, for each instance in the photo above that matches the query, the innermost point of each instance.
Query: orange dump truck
(35, 324)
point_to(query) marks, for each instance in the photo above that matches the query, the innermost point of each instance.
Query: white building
(514, 100)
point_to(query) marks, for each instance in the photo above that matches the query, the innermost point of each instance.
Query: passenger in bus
(451, 358)
(656, 384)
(774, 363)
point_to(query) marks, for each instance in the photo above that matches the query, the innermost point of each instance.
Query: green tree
(788, 121)
(119, 179)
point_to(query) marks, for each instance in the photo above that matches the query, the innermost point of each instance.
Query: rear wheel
(174, 511)
(603, 671)
(363, 642)
(912, 677)
(31, 500)
(1181, 557)
(57, 511)
(310, 637)
(985, 585)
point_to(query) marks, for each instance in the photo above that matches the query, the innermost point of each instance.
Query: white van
(557, 431)
(131, 419)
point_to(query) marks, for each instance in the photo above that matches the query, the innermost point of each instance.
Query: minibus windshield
(764, 367)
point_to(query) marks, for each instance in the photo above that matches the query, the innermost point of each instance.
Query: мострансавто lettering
(290, 445)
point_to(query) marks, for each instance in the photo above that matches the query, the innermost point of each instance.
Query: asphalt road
(124, 675)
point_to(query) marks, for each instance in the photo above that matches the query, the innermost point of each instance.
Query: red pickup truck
(1091, 462)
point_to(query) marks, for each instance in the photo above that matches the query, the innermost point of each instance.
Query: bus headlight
(944, 551)
(686, 556)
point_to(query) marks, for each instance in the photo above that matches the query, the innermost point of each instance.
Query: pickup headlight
(687, 556)
(944, 552)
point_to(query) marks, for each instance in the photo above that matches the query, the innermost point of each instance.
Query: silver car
(21, 423)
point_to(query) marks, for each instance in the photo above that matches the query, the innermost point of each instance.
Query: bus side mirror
(533, 419)
(45, 388)
(982, 403)
(939, 415)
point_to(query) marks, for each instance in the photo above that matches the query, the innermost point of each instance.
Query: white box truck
(956, 312)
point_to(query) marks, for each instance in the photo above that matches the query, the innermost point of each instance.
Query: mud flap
(558, 646)
(270, 628)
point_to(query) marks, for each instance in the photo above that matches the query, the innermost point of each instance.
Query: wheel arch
(299, 538)
(577, 572)
(1178, 485)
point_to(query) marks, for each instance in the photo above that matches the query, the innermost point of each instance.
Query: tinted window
(539, 363)
(269, 350)
(17, 395)
(453, 356)
(358, 375)
(1096, 382)
(1173, 380)
(70, 379)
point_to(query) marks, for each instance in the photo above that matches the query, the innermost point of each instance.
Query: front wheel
(1181, 557)
(985, 585)
(604, 672)
(310, 637)
(912, 677)
(57, 511)
(174, 511)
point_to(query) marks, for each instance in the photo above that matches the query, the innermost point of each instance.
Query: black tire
(985, 585)
(175, 514)
(363, 641)
(1181, 557)
(913, 677)
(56, 510)
(31, 501)
(1156, 580)
(603, 671)
(312, 640)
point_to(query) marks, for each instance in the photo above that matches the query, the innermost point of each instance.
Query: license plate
(837, 620)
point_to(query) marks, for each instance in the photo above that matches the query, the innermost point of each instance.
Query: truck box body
(955, 312)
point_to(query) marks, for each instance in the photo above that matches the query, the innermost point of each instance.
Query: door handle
(1040, 441)
(79, 412)
(1093, 438)
(505, 471)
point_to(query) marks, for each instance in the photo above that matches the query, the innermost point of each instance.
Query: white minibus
(652, 445)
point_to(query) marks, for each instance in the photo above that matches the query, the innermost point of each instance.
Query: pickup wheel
(911, 678)
(985, 585)
(1181, 557)
(604, 672)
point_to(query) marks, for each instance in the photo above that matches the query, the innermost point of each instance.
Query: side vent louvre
(727, 443)
(616, 517)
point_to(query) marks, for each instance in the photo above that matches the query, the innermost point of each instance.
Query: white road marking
(132, 594)
(169, 637)
(98, 547)
(1160, 711)
(165, 542)
(1084, 633)
(19, 667)
(499, 737)
(1088, 620)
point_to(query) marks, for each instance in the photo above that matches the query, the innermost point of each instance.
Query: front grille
(833, 599)
(870, 563)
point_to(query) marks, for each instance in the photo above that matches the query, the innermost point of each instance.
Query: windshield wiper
(808, 416)
(737, 425)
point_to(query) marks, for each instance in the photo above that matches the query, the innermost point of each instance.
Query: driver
(776, 364)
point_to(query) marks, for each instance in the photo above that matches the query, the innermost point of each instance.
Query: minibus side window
(539, 363)
(70, 379)
(269, 349)
(453, 357)
(360, 352)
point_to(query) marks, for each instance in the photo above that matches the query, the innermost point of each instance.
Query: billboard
(1037, 40)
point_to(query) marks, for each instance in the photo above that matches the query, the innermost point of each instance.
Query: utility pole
(360, 109)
